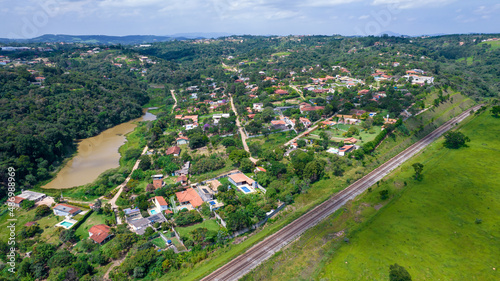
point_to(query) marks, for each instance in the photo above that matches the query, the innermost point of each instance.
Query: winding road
(263, 250)
(242, 132)
(175, 99)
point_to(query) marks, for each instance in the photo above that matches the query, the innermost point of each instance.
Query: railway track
(242, 264)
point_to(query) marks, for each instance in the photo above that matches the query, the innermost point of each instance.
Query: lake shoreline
(94, 156)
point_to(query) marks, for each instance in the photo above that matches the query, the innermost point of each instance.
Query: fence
(221, 220)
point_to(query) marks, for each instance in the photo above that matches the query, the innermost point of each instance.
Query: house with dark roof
(100, 233)
(65, 210)
(345, 149)
(139, 225)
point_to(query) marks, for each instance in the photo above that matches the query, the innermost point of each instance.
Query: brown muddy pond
(95, 155)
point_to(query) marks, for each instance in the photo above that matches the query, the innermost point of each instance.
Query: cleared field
(429, 227)
(442, 228)
(208, 224)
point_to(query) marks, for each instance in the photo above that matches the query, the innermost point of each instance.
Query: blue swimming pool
(211, 202)
(245, 189)
(153, 212)
(66, 224)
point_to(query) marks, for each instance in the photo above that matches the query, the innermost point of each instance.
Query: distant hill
(95, 39)
(107, 39)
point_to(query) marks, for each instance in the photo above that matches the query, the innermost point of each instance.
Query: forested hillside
(73, 100)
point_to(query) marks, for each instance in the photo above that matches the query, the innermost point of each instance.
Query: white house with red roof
(160, 203)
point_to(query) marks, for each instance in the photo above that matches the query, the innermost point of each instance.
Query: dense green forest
(77, 100)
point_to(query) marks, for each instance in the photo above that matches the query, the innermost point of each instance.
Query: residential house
(306, 122)
(214, 185)
(32, 195)
(15, 201)
(182, 179)
(345, 149)
(279, 125)
(160, 203)
(258, 106)
(259, 169)
(174, 150)
(350, 140)
(140, 225)
(217, 117)
(65, 210)
(132, 214)
(281, 92)
(184, 170)
(100, 233)
(241, 179)
(189, 198)
(158, 183)
(182, 140)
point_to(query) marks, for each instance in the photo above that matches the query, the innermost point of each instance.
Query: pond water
(95, 155)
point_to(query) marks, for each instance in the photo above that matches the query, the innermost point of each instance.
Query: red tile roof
(346, 148)
(99, 232)
(240, 177)
(181, 178)
(17, 199)
(157, 183)
(161, 200)
(173, 150)
(189, 195)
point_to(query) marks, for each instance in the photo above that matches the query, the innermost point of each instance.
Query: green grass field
(431, 230)
(428, 227)
(93, 219)
(208, 224)
(493, 44)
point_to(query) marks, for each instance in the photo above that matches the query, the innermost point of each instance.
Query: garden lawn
(93, 219)
(445, 227)
(208, 224)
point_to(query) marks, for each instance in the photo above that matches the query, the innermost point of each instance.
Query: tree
(246, 165)
(455, 140)
(41, 211)
(398, 273)
(301, 142)
(314, 170)
(378, 120)
(495, 111)
(27, 204)
(418, 171)
(384, 194)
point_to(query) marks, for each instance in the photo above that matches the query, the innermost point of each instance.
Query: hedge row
(371, 145)
(75, 227)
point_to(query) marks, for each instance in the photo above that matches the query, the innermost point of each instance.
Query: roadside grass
(208, 224)
(432, 229)
(429, 227)
(273, 141)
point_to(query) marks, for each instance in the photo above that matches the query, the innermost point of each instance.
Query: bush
(187, 217)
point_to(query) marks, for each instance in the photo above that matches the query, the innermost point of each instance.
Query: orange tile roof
(161, 200)
(189, 195)
(99, 232)
(240, 177)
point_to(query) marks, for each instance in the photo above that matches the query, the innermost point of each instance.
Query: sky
(32, 18)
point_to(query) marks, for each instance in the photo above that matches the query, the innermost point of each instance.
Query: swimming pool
(211, 202)
(245, 189)
(153, 212)
(66, 224)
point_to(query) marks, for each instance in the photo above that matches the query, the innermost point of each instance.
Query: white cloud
(410, 4)
(363, 17)
(326, 3)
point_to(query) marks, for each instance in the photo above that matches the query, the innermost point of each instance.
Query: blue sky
(31, 18)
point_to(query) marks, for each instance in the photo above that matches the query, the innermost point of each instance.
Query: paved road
(242, 264)
(175, 99)
(242, 133)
